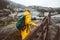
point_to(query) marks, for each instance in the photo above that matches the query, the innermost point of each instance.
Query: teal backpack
(21, 22)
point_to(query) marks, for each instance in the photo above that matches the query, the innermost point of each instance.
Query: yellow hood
(26, 13)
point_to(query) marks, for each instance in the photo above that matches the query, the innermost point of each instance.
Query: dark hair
(28, 10)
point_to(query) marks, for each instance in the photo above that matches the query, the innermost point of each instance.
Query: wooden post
(41, 13)
(49, 17)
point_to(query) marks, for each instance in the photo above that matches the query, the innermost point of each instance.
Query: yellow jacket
(29, 23)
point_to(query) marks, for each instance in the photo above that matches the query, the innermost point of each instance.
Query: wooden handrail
(45, 23)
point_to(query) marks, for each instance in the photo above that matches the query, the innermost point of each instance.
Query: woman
(28, 22)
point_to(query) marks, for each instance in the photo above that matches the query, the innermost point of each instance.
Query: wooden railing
(41, 32)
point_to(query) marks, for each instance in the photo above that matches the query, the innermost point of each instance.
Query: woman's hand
(38, 24)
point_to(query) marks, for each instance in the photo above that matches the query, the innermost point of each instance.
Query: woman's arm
(34, 24)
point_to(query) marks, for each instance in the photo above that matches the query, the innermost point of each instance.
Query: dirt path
(6, 31)
(10, 32)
